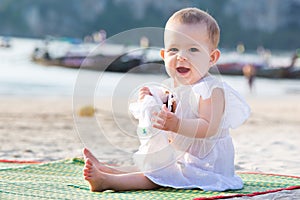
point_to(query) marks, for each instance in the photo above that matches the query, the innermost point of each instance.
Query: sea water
(20, 76)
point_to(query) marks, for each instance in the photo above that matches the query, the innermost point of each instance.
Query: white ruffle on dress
(173, 160)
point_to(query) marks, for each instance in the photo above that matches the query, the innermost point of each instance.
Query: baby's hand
(166, 120)
(143, 92)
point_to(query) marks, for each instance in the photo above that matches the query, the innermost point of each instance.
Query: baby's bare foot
(95, 177)
(99, 165)
(88, 154)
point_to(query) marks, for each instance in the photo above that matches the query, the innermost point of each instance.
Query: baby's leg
(100, 181)
(101, 166)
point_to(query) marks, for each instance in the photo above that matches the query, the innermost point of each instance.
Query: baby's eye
(194, 50)
(173, 50)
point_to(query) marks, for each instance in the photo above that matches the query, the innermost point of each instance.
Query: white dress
(186, 162)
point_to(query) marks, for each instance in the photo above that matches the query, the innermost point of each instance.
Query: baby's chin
(183, 81)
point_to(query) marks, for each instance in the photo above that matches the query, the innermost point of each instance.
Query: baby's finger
(158, 123)
(158, 126)
(164, 108)
(155, 114)
(162, 114)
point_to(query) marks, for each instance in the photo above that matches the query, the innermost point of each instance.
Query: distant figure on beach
(249, 72)
(197, 128)
(144, 42)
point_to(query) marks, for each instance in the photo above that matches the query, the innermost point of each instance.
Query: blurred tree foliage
(77, 18)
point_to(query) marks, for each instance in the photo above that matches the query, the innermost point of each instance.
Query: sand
(43, 129)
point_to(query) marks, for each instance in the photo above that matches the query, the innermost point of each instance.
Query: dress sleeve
(237, 111)
(205, 88)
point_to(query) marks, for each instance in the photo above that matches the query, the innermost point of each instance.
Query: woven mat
(64, 180)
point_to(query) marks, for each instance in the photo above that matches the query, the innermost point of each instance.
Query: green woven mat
(64, 180)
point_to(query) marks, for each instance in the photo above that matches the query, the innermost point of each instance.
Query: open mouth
(182, 70)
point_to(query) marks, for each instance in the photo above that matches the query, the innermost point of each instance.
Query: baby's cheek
(170, 71)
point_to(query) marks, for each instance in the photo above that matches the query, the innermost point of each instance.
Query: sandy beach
(43, 129)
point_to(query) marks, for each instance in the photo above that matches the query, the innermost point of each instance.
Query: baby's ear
(214, 56)
(162, 53)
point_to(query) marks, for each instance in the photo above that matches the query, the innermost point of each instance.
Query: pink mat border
(254, 193)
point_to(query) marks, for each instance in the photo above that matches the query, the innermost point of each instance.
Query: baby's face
(187, 52)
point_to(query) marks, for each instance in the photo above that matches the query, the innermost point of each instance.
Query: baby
(198, 151)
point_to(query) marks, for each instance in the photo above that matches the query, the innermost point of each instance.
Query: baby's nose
(181, 56)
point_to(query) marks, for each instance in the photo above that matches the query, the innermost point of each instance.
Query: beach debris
(87, 111)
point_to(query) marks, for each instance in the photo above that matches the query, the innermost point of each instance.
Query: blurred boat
(294, 73)
(120, 61)
(235, 68)
(94, 62)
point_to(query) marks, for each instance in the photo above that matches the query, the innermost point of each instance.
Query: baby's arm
(210, 116)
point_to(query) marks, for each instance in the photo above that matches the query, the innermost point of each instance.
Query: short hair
(195, 16)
